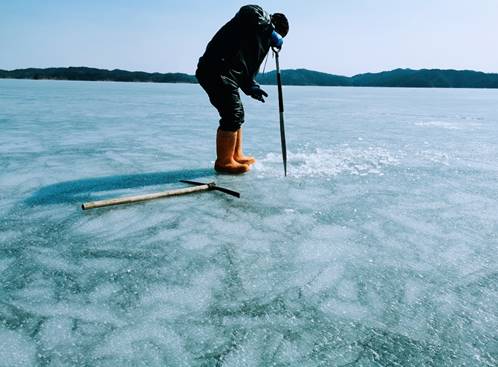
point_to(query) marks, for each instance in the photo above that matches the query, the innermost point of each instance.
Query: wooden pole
(146, 197)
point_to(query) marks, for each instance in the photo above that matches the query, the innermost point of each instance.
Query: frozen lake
(378, 249)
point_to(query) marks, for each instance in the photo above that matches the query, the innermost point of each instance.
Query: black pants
(224, 95)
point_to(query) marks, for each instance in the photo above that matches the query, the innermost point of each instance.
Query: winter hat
(280, 23)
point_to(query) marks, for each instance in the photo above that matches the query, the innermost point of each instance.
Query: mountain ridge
(422, 78)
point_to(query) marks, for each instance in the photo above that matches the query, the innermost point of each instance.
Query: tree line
(425, 78)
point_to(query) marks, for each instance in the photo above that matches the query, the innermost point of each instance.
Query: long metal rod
(281, 111)
(146, 197)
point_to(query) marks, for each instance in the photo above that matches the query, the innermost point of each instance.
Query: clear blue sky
(337, 36)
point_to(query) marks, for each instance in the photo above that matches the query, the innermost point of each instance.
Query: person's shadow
(81, 190)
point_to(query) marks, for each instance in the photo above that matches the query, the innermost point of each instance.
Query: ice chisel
(281, 111)
(200, 186)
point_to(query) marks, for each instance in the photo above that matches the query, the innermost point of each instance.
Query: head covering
(280, 23)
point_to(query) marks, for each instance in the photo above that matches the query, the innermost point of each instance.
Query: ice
(57, 332)
(344, 309)
(330, 162)
(443, 124)
(5, 263)
(184, 298)
(324, 279)
(125, 343)
(16, 350)
(377, 249)
(93, 313)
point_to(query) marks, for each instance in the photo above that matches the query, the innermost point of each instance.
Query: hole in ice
(329, 162)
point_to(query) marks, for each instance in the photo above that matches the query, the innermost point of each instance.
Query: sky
(344, 37)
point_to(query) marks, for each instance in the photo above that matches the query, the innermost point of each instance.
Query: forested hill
(425, 78)
(305, 77)
(93, 74)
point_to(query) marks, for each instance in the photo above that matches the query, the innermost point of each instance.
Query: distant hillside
(93, 74)
(424, 78)
(304, 77)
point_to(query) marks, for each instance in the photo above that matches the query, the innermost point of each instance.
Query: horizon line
(260, 73)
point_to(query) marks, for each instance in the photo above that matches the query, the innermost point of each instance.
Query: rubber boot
(238, 154)
(225, 147)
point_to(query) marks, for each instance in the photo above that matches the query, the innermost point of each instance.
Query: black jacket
(239, 47)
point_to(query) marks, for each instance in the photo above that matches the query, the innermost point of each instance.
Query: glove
(276, 40)
(256, 92)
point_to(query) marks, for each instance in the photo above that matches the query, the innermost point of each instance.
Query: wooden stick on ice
(159, 195)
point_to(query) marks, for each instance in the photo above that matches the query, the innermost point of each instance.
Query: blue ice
(378, 249)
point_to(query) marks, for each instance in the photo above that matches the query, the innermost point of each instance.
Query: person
(231, 61)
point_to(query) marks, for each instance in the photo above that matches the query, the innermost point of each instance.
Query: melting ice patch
(330, 162)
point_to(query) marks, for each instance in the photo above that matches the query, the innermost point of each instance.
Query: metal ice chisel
(281, 111)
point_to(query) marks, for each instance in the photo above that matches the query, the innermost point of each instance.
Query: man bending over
(231, 61)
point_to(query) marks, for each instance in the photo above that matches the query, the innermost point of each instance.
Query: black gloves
(256, 92)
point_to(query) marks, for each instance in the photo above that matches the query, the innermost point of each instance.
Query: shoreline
(397, 78)
(271, 85)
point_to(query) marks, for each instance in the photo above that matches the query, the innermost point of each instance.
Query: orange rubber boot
(238, 154)
(225, 147)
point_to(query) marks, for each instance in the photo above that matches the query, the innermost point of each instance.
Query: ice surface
(16, 350)
(327, 162)
(378, 249)
(460, 125)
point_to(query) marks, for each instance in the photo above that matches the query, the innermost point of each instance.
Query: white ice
(378, 249)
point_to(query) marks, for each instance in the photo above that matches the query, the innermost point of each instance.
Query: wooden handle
(146, 197)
